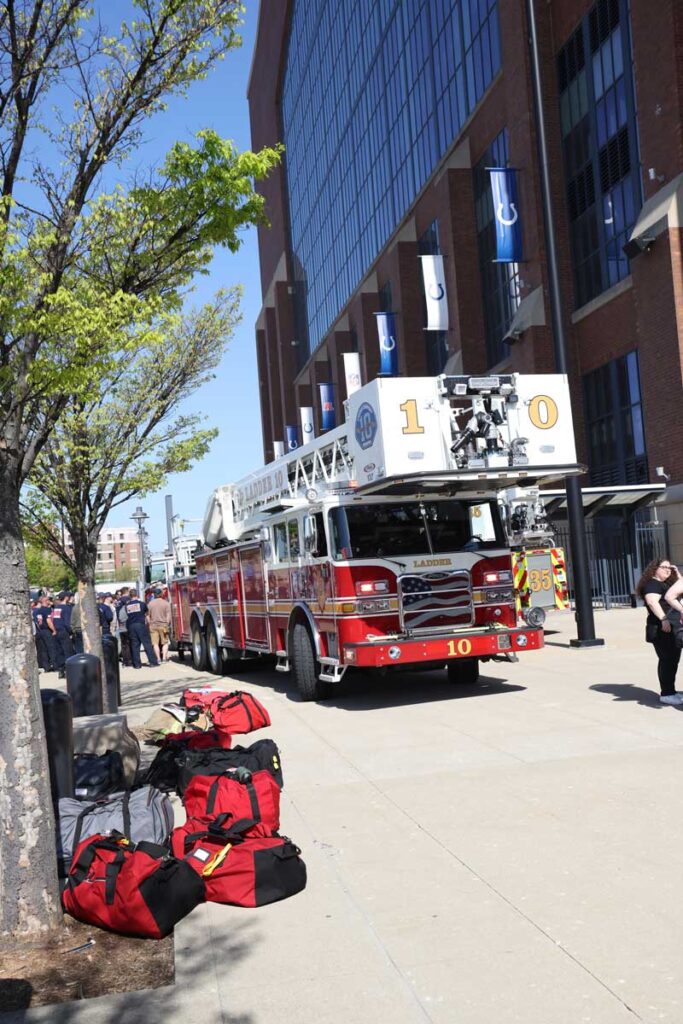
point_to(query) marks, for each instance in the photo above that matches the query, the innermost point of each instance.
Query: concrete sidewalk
(506, 853)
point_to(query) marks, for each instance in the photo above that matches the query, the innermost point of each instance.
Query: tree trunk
(29, 890)
(90, 624)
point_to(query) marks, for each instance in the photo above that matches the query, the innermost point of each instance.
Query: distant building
(391, 114)
(118, 546)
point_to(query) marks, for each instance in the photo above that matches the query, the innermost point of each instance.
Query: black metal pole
(585, 626)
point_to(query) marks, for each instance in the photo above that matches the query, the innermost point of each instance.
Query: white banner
(307, 428)
(278, 449)
(435, 293)
(352, 372)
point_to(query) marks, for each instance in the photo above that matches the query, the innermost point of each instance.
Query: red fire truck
(381, 543)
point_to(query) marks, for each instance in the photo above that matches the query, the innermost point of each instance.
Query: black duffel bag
(97, 775)
(260, 756)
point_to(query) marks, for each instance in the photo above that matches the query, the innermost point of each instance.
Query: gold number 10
(409, 407)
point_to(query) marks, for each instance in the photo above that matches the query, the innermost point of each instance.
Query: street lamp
(140, 517)
(583, 597)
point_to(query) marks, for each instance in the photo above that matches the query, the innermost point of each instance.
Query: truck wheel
(304, 665)
(463, 671)
(198, 648)
(214, 657)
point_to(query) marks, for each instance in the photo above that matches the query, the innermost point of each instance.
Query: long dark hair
(649, 573)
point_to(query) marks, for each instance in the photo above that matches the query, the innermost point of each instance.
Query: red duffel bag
(200, 697)
(192, 740)
(238, 712)
(237, 792)
(134, 889)
(237, 866)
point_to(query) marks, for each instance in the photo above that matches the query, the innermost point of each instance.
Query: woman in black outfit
(659, 576)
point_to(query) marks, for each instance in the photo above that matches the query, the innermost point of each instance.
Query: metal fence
(617, 553)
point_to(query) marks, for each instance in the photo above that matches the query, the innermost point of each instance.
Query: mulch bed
(39, 975)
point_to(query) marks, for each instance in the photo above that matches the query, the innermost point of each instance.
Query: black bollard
(60, 742)
(84, 684)
(110, 647)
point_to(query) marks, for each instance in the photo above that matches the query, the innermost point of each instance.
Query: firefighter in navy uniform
(123, 627)
(45, 635)
(61, 620)
(138, 631)
(106, 614)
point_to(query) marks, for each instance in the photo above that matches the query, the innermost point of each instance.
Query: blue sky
(230, 402)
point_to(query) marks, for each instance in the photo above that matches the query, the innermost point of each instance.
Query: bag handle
(238, 774)
(79, 868)
(233, 833)
(111, 875)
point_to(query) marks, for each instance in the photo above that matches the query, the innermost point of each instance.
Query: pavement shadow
(196, 963)
(357, 691)
(632, 692)
(365, 692)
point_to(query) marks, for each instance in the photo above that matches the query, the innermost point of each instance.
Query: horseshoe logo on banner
(504, 220)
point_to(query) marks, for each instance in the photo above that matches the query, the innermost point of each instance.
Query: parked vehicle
(381, 543)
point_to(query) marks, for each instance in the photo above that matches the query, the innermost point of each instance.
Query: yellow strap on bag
(216, 860)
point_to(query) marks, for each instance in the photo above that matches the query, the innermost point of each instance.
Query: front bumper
(443, 647)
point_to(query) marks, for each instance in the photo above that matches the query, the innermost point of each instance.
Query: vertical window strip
(597, 118)
(401, 63)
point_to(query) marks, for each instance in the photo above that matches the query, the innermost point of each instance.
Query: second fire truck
(380, 544)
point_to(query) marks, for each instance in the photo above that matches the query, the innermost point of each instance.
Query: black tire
(305, 665)
(198, 648)
(214, 657)
(463, 671)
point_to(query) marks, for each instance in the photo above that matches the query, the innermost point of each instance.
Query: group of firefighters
(124, 618)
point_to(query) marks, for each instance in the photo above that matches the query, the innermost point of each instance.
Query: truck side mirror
(311, 536)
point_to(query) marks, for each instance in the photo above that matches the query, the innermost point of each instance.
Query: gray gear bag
(146, 814)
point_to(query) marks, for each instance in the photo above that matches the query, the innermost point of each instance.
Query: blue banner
(292, 438)
(328, 419)
(506, 213)
(388, 349)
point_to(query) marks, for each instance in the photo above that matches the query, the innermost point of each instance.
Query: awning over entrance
(663, 210)
(605, 500)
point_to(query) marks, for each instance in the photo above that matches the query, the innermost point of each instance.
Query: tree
(87, 265)
(123, 440)
(124, 573)
(45, 569)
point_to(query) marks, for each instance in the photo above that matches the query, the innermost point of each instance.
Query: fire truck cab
(381, 543)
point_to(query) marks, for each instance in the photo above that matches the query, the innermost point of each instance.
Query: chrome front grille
(432, 601)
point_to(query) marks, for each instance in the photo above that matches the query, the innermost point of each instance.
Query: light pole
(140, 517)
(577, 530)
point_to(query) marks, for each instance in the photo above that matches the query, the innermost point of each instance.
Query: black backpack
(97, 775)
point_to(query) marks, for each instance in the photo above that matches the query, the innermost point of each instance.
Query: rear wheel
(198, 648)
(463, 672)
(305, 665)
(213, 651)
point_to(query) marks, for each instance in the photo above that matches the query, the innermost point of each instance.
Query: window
(280, 546)
(614, 423)
(414, 528)
(499, 281)
(293, 532)
(599, 147)
(374, 94)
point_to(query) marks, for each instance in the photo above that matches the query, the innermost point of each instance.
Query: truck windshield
(414, 528)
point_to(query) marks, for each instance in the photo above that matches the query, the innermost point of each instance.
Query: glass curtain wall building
(373, 96)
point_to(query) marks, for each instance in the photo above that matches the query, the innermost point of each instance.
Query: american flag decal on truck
(435, 600)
